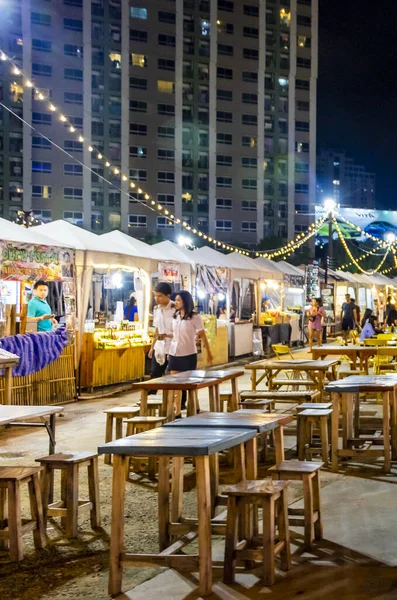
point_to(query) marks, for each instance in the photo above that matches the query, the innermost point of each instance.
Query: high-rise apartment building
(209, 106)
(338, 177)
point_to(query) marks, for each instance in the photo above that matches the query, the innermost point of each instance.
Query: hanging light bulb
(81, 139)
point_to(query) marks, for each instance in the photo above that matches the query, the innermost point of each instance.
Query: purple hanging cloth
(35, 350)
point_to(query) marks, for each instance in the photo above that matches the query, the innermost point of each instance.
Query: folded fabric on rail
(35, 350)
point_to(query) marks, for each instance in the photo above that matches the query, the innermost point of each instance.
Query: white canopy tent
(11, 232)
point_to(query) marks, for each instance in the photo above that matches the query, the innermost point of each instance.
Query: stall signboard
(294, 281)
(169, 272)
(213, 280)
(28, 262)
(312, 279)
(378, 223)
(327, 295)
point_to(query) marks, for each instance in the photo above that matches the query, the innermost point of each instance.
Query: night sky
(357, 87)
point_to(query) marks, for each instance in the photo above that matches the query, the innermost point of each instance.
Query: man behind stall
(38, 308)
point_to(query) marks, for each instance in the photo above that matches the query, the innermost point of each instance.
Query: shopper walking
(316, 318)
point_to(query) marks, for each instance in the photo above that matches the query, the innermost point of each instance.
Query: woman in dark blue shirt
(131, 310)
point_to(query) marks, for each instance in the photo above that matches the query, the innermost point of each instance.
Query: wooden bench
(306, 419)
(308, 383)
(268, 405)
(309, 473)
(70, 463)
(246, 496)
(117, 415)
(13, 527)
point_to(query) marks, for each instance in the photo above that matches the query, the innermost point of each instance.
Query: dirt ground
(67, 569)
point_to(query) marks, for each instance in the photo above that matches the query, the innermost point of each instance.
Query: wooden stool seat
(117, 414)
(301, 382)
(309, 473)
(12, 526)
(70, 463)
(138, 425)
(154, 404)
(284, 396)
(268, 405)
(343, 374)
(225, 399)
(306, 419)
(242, 501)
(314, 406)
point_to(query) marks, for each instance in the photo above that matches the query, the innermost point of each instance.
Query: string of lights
(295, 244)
(361, 258)
(375, 239)
(347, 249)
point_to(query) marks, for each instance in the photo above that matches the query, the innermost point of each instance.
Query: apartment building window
(303, 20)
(203, 137)
(41, 45)
(268, 187)
(282, 168)
(97, 197)
(304, 41)
(250, 53)
(137, 221)
(138, 60)
(42, 215)
(248, 98)
(138, 129)
(302, 84)
(226, 5)
(302, 209)
(250, 76)
(203, 116)
(138, 151)
(73, 2)
(249, 163)
(16, 191)
(137, 35)
(15, 142)
(40, 19)
(73, 146)
(41, 191)
(166, 17)
(73, 24)
(97, 221)
(138, 13)
(74, 217)
(166, 199)
(224, 138)
(302, 105)
(249, 119)
(165, 177)
(301, 188)
(269, 145)
(224, 203)
(224, 182)
(73, 50)
(222, 159)
(166, 64)
(301, 167)
(138, 174)
(302, 147)
(203, 182)
(165, 153)
(41, 118)
(249, 141)
(251, 32)
(305, 63)
(225, 27)
(248, 226)
(269, 103)
(166, 109)
(39, 142)
(226, 95)
(223, 225)
(166, 39)
(72, 169)
(223, 73)
(40, 69)
(224, 117)
(97, 128)
(72, 193)
(283, 126)
(267, 228)
(302, 126)
(165, 132)
(283, 189)
(250, 10)
(76, 74)
(138, 106)
(249, 205)
(249, 184)
(165, 87)
(282, 229)
(284, 61)
(138, 83)
(225, 50)
(164, 223)
(268, 165)
(73, 98)
(187, 180)
(75, 121)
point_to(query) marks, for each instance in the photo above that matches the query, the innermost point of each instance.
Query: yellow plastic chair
(387, 337)
(372, 342)
(355, 337)
(383, 361)
(282, 350)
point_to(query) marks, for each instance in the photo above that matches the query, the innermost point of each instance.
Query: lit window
(115, 58)
(138, 60)
(138, 13)
(285, 17)
(166, 87)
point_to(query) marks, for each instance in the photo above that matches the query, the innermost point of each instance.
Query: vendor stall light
(221, 296)
(201, 294)
(117, 280)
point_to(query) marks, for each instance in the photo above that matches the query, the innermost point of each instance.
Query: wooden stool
(225, 399)
(137, 425)
(117, 414)
(13, 527)
(243, 499)
(306, 419)
(70, 463)
(154, 404)
(343, 374)
(309, 474)
(313, 406)
(266, 405)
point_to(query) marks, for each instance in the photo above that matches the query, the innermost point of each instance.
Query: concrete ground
(357, 560)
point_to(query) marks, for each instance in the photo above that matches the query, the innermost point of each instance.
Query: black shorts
(182, 363)
(347, 324)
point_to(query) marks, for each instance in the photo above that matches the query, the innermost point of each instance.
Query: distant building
(340, 178)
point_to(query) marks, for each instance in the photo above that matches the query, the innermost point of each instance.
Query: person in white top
(163, 321)
(187, 326)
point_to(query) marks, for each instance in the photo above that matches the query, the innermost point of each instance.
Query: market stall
(176, 266)
(45, 373)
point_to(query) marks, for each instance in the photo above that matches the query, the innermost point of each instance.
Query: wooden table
(176, 443)
(180, 382)
(315, 369)
(8, 363)
(345, 396)
(357, 354)
(222, 375)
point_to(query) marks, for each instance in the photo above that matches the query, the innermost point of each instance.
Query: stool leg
(36, 510)
(324, 439)
(268, 541)
(15, 521)
(302, 440)
(108, 436)
(3, 517)
(229, 567)
(318, 525)
(308, 509)
(72, 500)
(64, 488)
(93, 487)
(119, 428)
(283, 529)
(45, 492)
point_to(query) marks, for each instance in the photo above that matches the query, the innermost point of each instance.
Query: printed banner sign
(378, 223)
(25, 261)
(169, 272)
(213, 280)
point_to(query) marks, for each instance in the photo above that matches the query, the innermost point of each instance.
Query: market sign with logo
(169, 272)
(28, 262)
(378, 223)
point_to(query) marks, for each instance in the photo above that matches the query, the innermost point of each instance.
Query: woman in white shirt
(187, 326)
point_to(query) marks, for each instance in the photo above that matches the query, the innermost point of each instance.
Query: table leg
(279, 443)
(214, 481)
(386, 430)
(191, 403)
(234, 404)
(51, 450)
(251, 449)
(349, 402)
(117, 526)
(168, 405)
(143, 407)
(335, 432)
(356, 415)
(7, 385)
(204, 525)
(212, 399)
(177, 488)
(164, 501)
(239, 462)
(393, 410)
